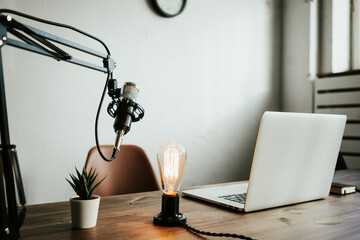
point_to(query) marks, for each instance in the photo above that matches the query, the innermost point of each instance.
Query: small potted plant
(85, 205)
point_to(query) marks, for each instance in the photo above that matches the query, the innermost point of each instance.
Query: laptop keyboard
(240, 198)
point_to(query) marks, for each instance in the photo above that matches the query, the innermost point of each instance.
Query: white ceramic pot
(84, 213)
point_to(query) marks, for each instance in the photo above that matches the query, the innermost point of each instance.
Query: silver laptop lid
(294, 158)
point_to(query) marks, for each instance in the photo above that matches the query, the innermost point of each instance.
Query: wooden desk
(130, 217)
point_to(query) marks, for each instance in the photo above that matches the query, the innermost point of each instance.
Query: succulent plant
(83, 183)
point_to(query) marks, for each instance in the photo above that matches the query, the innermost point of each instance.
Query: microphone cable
(83, 33)
(97, 121)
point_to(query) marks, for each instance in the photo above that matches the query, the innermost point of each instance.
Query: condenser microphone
(127, 111)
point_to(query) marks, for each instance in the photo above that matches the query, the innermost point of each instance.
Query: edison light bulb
(171, 159)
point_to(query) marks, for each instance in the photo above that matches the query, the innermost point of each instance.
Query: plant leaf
(93, 189)
(74, 179)
(84, 173)
(78, 173)
(86, 190)
(92, 181)
(72, 185)
(77, 184)
(92, 174)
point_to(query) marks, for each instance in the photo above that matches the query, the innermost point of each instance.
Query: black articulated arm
(40, 42)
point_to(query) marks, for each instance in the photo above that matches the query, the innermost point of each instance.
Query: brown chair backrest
(129, 172)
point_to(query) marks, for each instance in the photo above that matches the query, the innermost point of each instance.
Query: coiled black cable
(83, 33)
(231, 235)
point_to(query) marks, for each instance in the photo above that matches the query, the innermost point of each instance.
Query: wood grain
(130, 217)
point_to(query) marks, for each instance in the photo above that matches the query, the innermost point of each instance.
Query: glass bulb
(171, 159)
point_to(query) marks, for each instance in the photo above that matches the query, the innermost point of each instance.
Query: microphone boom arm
(40, 42)
(10, 25)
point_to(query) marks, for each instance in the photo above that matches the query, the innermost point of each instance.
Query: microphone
(127, 111)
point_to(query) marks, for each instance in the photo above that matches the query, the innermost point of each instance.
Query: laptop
(294, 161)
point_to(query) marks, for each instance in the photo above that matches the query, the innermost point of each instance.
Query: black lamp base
(169, 215)
(169, 221)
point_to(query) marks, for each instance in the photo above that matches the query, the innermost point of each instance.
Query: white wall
(205, 76)
(297, 89)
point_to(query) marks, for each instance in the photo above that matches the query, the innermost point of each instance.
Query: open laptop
(294, 161)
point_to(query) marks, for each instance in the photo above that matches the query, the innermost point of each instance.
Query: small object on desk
(85, 205)
(342, 189)
(171, 159)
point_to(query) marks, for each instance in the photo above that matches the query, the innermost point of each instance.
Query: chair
(129, 172)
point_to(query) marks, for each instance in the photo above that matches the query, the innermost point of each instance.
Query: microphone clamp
(132, 108)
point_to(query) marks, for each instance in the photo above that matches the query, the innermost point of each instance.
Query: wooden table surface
(130, 217)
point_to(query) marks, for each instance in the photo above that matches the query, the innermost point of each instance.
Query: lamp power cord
(229, 235)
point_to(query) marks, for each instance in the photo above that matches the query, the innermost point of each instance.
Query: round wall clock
(169, 8)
